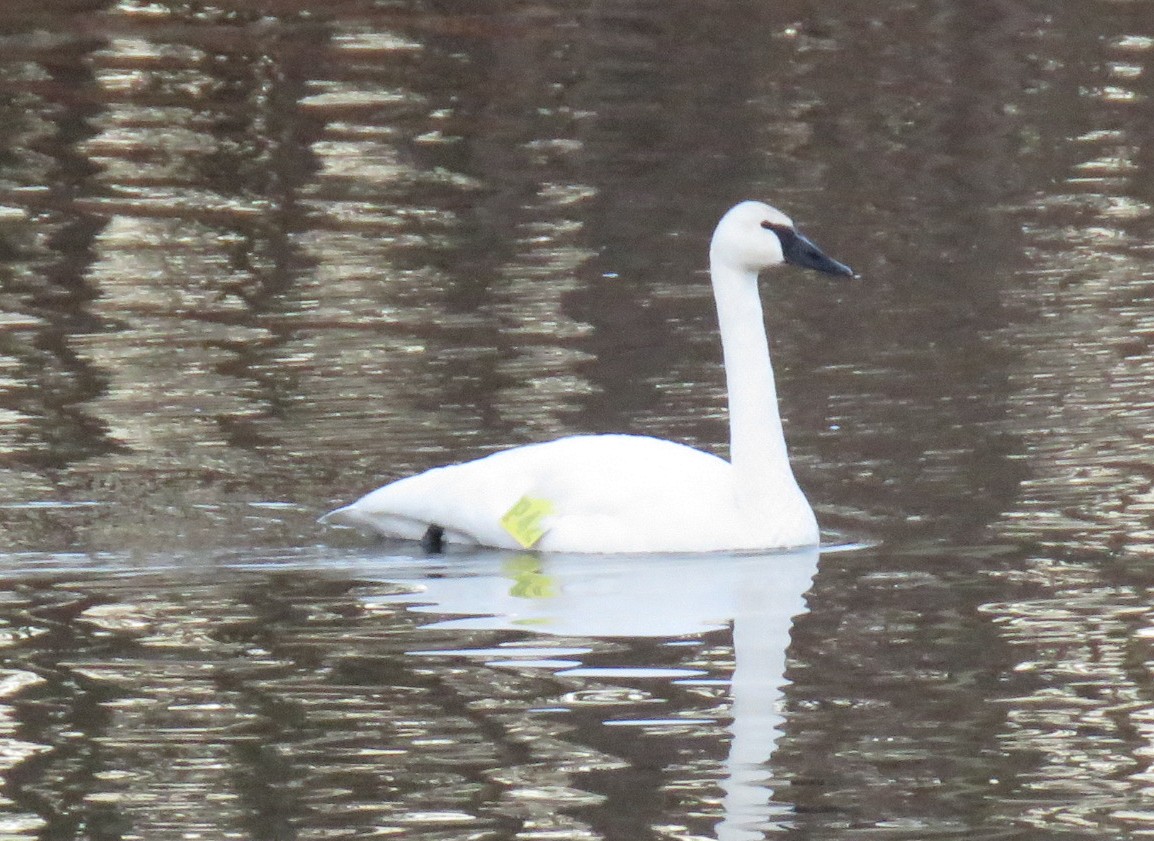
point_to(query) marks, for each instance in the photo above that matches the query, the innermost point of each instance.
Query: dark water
(258, 257)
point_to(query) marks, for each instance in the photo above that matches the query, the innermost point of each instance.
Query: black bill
(801, 252)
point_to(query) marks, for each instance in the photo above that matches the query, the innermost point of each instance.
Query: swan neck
(757, 440)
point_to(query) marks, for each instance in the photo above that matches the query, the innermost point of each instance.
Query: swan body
(632, 493)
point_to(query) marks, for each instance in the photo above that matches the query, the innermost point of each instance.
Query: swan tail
(385, 525)
(432, 536)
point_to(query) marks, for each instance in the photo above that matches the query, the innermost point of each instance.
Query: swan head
(753, 236)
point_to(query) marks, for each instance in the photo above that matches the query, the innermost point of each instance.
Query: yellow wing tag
(523, 520)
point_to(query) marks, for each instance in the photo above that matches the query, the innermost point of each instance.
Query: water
(257, 258)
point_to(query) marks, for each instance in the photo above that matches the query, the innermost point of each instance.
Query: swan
(632, 493)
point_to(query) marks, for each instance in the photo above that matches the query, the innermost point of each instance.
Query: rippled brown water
(258, 257)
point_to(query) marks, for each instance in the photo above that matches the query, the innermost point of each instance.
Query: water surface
(257, 258)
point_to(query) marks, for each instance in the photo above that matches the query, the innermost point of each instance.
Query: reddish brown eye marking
(786, 234)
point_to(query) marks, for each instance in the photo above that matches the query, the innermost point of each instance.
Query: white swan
(632, 493)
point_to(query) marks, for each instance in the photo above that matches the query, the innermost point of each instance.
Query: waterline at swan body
(631, 493)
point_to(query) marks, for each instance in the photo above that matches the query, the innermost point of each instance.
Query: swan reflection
(758, 595)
